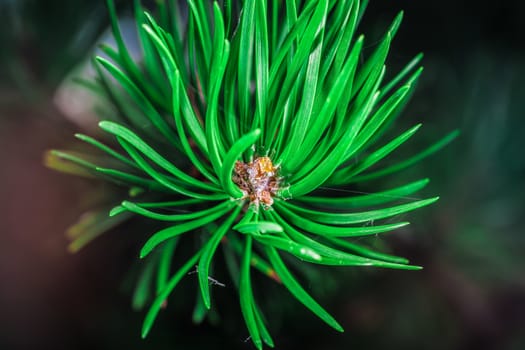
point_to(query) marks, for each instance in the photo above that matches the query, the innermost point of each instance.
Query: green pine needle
(231, 127)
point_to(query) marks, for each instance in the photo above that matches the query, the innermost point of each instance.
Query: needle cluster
(226, 106)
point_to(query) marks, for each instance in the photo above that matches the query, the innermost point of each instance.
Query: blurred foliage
(488, 168)
(43, 40)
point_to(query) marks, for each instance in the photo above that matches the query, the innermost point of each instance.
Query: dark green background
(471, 294)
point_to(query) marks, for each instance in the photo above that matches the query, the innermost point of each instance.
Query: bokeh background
(471, 294)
